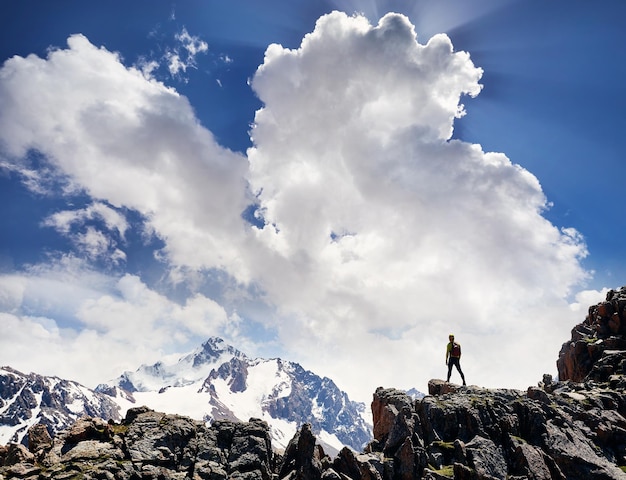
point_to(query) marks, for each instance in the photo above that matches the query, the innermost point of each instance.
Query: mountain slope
(29, 399)
(217, 382)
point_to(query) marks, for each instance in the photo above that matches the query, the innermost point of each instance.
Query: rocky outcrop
(478, 433)
(558, 430)
(597, 349)
(561, 430)
(147, 444)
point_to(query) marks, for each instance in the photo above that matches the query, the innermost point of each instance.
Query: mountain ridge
(29, 399)
(213, 382)
(236, 387)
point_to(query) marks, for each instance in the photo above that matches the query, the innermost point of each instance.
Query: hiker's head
(451, 337)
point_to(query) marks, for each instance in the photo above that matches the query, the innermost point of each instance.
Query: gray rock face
(573, 431)
(148, 444)
(479, 433)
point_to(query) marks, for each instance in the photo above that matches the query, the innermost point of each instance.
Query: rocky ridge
(570, 429)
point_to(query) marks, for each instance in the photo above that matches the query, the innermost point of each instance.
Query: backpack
(456, 350)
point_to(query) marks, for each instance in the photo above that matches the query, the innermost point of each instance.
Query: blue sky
(340, 189)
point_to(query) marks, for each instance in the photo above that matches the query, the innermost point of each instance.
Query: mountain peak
(210, 352)
(216, 381)
(189, 369)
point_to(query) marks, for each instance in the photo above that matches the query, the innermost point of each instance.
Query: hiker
(453, 357)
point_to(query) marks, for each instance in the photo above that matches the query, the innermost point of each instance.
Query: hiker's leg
(450, 362)
(458, 367)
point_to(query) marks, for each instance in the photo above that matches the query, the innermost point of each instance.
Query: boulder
(486, 458)
(441, 387)
(17, 453)
(386, 405)
(38, 438)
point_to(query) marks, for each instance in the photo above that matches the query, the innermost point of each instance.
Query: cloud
(90, 327)
(183, 56)
(384, 234)
(378, 234)
(128, 140)
(63, 220)
(88, 239)
(585, 298)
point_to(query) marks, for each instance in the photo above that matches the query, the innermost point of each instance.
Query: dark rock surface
(561, 430)
(597, 349)
(147, 444)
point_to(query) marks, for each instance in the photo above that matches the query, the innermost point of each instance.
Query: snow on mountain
(29, 399)
(190, 369)
(216, 381)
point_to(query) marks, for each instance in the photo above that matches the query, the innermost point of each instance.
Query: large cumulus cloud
(386, 234)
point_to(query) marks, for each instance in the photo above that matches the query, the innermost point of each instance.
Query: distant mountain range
(29, 399)
(214, 382)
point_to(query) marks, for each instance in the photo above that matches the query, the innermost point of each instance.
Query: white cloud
(585, 298)
(382, 236)
(183, 56)
(191, 43)
(91, 327)
(130, 141)
(89, 240)
(380, 226)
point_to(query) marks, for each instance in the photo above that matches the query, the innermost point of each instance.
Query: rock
(160, 439)
(441, 387)
(250, 451)
(150, 444)
(23, 470)
(528, 461)
(603, 329)
(486, 458)
(386, 405)
(88, 428)
(18, 453)
(303, 457)
(39, 438)
(346, 464)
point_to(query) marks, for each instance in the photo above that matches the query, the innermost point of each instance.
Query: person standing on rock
(453, 357)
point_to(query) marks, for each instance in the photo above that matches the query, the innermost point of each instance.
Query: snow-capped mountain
(219, 382)
(29, 399)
